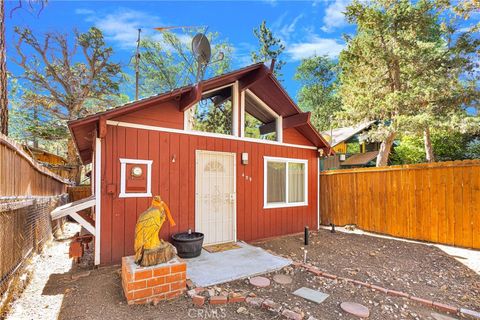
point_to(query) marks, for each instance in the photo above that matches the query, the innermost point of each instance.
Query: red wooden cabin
(231, 185)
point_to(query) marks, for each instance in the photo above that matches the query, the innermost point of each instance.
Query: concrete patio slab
(214, 268)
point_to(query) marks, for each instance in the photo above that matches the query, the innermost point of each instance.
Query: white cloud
(314, 46)
(302, 41)
(273, 3)
(288, 29)
(465, 29)
(121, 26)
(84, 11)
(285, 30)
(334, 15)
(242, 53)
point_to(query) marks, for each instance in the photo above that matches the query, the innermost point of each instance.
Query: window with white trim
(285, 182)
(135, 178)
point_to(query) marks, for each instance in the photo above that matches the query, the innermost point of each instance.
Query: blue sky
(305, 27)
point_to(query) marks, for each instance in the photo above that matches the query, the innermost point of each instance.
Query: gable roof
(342, 134)
(257, 78)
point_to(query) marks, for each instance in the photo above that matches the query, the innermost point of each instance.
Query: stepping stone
(282, 279)
(311, 295)
(356, 309)
(438, 316)
(260, 282)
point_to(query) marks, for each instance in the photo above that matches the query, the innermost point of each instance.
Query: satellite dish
(201, 49)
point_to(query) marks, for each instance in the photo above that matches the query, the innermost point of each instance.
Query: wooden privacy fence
(28, 193)
(438, 202)
(21, 176)
(79, 192)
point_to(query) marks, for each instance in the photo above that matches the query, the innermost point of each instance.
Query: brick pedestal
(152, 284)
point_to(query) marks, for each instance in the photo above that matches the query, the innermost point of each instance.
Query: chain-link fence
(28, 193)
(25, 227)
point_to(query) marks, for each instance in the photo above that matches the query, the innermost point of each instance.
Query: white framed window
(135, 178)
(285, 182)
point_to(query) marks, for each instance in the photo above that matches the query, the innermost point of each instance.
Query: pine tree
(318, 94)
(400, 70)
(270, 47)
(65, 84)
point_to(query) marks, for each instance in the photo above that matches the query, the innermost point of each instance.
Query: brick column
(152, 284)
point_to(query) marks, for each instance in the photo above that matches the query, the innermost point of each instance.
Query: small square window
(135, 178)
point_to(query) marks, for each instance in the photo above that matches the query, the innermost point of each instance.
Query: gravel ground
(80, 292)
(418, 269)
(34, 302)
(468, 257)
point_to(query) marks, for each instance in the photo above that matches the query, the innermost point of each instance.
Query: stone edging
(251, 299)
(429, 303)
(199, 300)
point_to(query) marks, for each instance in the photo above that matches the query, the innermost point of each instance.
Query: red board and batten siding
(165, 115)
(175, 183)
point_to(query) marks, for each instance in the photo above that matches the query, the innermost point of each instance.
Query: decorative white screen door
(215, 198)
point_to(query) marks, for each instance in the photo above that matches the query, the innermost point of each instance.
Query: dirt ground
(85, 293)
(418, 269)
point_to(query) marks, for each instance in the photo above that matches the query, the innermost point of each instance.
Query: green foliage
(466, 9)
(404, 68)
(31, 125)
(30, 120)
(409, 150)
(167, 63)
(252, 129)
(158, 70)
(63, 79)
(447, 146)
(216, 118)
(473, 149)
(270, 47)
(318, 94)
(59, 79)
(353, 147)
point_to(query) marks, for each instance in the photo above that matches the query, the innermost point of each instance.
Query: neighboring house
(351, 148)
(227, 185)
(55, 163)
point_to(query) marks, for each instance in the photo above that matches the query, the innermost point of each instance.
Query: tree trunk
(74, 161)
(36, 123)
(190, 122)
(385, 148)
(3, 73)
(429, 155)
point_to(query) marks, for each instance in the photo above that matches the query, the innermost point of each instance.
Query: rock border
(251, 299)
(257, 302)
(429, 303)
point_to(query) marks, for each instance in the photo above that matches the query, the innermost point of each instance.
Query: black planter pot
(189, 245)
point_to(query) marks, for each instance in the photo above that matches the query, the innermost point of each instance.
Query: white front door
(215, 198)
